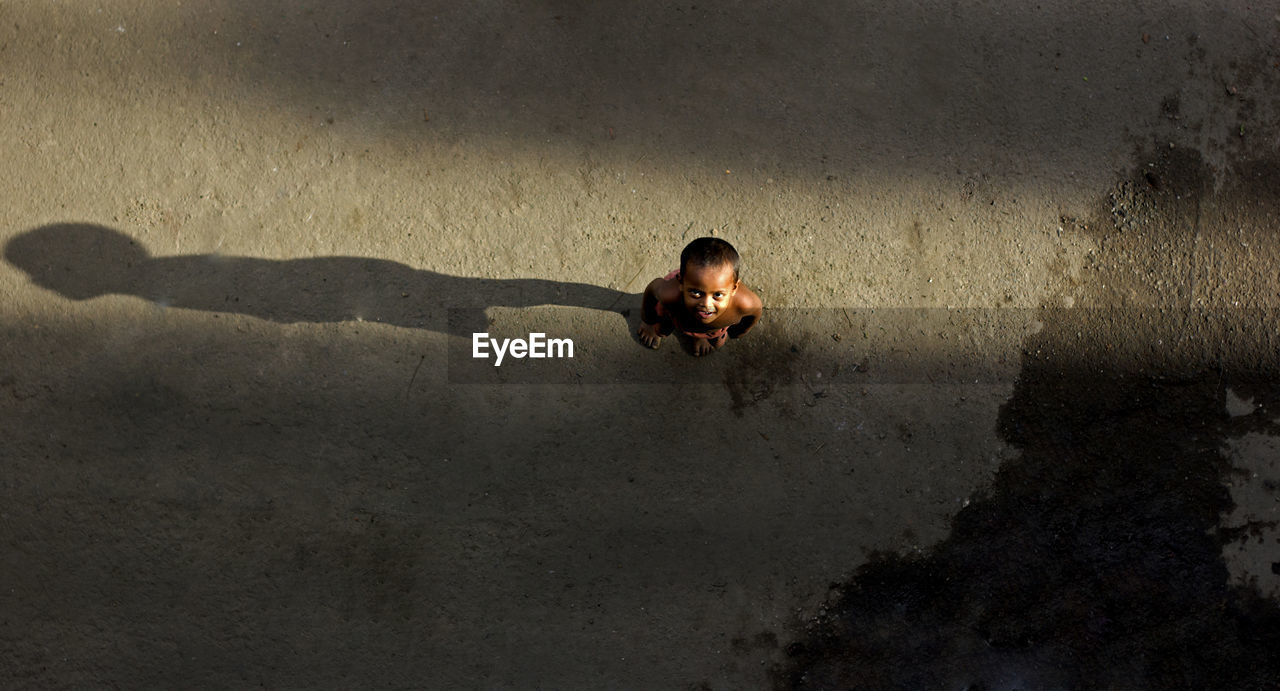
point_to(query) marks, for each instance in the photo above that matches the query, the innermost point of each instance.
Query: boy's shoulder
(665, 289)
(746, 301)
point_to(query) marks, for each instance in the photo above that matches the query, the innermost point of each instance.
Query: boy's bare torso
(707, 304)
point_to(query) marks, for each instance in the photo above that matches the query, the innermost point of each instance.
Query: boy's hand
(649, 334)
(702, 346)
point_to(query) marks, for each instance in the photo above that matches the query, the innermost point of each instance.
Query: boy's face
(707, 290)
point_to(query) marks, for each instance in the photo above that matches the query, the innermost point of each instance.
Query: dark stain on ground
(1094, 560)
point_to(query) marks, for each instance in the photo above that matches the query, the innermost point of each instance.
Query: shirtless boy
(703, 299)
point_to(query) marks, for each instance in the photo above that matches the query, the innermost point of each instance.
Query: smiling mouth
(706, 315)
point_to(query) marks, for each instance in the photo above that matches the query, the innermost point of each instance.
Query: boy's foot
(649, 335)
(702, 346)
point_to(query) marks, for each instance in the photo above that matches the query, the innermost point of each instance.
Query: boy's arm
(649, 304)
(653, 325)
(751, 308)
(649, 316)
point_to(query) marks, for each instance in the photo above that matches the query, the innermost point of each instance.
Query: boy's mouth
(704, 315)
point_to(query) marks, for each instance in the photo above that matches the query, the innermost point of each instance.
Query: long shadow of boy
(81, 261)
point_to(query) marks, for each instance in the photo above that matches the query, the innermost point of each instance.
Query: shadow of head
(77, 260)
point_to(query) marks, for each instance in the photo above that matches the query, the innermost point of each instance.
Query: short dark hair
(710, 252)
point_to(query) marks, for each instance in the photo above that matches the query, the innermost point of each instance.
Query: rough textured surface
(1011, 410)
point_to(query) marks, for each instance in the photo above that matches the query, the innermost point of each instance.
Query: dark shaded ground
(232, 490)
(1095, 559)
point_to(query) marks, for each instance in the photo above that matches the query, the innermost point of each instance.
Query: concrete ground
(1009, 419)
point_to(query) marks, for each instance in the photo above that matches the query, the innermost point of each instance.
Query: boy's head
(708, 277)
(709, 253)
(78, 260)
